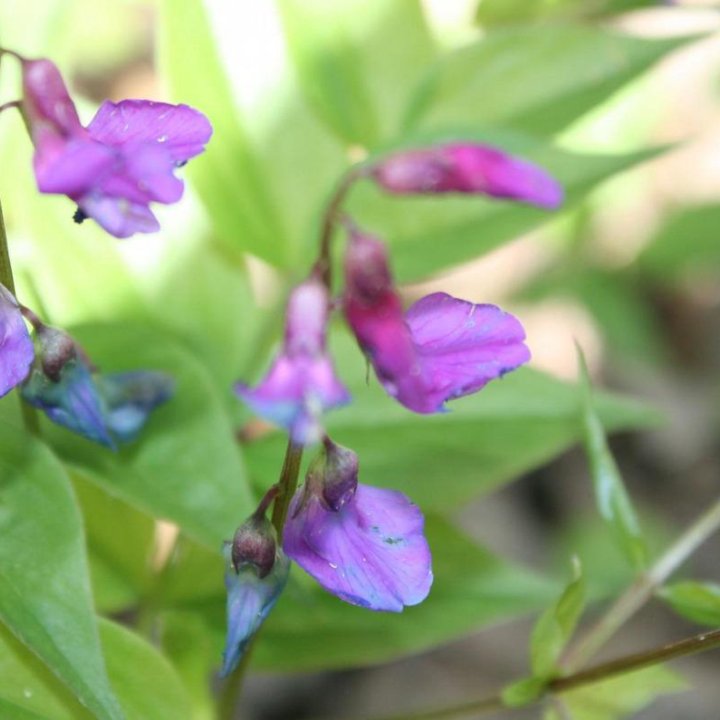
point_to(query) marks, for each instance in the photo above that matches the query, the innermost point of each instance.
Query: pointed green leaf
(534, 78)
(502, 12)
(556, 625)
(697, 601)
(523, 692)
(227, 176)
(44, 586)
(612, 499)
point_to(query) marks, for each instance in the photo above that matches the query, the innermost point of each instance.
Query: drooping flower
(440, 349)
(301, 383)
(467, 168)
(256, 570)
(104, 408)
(361, 543)
(125, 158)
(16, 347)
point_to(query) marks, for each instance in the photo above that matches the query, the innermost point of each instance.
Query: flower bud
(255, 544)
(467, 168)
(339, 468)
(55, 349)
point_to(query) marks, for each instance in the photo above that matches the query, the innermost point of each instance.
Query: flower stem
(286, 486)
(642, 589)
(598, 673)
(29, 414)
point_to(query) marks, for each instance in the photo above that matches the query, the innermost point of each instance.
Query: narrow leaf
(613, 502)
(697, 601)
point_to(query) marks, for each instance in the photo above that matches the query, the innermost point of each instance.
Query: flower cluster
(365, 544)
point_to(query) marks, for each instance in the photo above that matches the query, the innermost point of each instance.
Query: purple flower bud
(440, 349)
(467, 168)
(251, 597)
(368, 548)
(16, 347)
(125, 158)
(104, 408)
(254, 543)
(301, 383)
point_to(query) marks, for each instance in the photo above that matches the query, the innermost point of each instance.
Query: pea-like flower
(104, 408)
(467, 168)
(364, 544)
(117, 165)
(440, 349)
(256, 571)
(301, 384)
(16, 347)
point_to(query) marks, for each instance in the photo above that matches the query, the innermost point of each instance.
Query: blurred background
(629, 269)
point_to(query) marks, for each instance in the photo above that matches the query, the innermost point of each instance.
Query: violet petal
(16, 347)
(371, 552)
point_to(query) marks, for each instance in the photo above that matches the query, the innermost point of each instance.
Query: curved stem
(29, 414)
(598, 673)
(642, 589)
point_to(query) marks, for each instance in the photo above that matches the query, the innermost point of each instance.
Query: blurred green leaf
(144, 680)
(312, 630)
(688, 242)
(145, 683)
(44, 586)
(613, 502)
(537, 79)
(227, 176)
(120, 543)
(523, 692)
(622, 696)
(697, 601)
(556, 625)
(502, 12)
(441, 461)
(354, 66)
(186, 466)
(430, 234)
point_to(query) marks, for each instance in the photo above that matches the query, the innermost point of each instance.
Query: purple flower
(104, 408)
(440, 349)
(301, 383)
(467, 168)
(256, 571)
(125, 158)
(361, 543)
(16, 347)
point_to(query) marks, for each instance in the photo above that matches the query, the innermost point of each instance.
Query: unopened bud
(333, 475)
(255, 543)
(56, 349)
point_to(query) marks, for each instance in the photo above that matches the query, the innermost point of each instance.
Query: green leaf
(144, 681)
(622, 696)
(227, 176)
(442, 461)
(312, 630)
(697, 601)
(120, 544)
(539, 79)
(687, 243)
(613, 502)
(44, 587)
(501, 12)
(186, 466)
(556, 625)
(354, 66)
(430, 234)
(523, 692)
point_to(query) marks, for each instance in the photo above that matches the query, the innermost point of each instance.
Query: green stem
(29, 414)
(286, 485)
(642, 589)
(598, 673)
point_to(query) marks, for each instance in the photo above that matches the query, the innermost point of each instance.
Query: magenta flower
(440, 349)
(467, 168)
(301, 384)
(361, 543)
(125, 158)
(16, 347)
